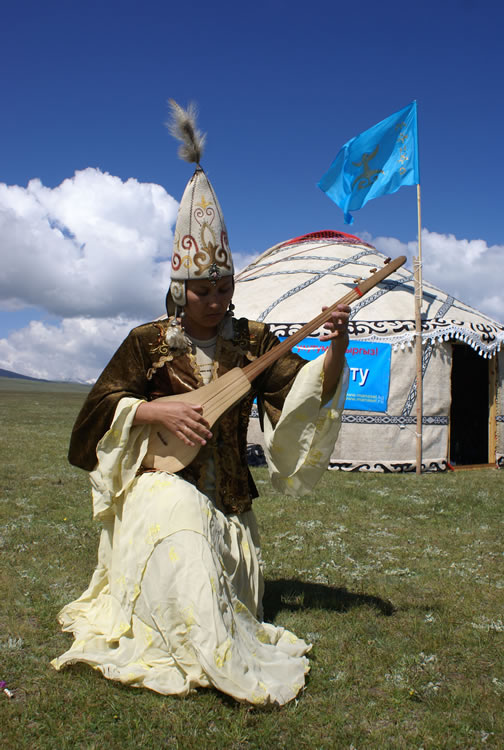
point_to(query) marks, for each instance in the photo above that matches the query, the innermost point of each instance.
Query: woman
(175, 601)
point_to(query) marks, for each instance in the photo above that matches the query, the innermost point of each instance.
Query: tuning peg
(358, 281)
(387, 260)
(373, 270)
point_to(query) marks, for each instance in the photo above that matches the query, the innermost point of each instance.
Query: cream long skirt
(175, 601)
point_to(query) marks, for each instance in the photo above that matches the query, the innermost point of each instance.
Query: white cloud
(76, 349)
(470, 270)
(94, 245)
(242, 260)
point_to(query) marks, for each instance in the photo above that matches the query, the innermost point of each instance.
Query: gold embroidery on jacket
(160, 347)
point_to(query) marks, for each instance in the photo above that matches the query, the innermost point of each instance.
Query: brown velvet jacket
(144, 367)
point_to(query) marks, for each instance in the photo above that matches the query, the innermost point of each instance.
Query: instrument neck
(254, 369)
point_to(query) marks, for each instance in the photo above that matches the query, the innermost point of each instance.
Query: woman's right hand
(185, 421)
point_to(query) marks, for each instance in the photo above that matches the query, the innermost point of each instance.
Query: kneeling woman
(175, 601)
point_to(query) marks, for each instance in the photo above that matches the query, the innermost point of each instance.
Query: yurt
(462, 360)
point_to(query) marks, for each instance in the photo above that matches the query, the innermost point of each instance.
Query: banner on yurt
(369, 376)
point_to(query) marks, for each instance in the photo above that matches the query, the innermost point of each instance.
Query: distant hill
(14, 383)
(10, 374)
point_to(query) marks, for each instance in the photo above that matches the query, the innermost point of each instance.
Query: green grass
(397, 580)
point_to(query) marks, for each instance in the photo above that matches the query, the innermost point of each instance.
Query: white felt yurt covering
(463, 365)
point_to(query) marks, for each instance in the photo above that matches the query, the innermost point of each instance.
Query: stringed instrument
(167, 453)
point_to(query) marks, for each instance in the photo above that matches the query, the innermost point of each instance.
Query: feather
(182, 126)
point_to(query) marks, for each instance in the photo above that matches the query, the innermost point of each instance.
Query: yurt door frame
(473, 426)
(492, 417)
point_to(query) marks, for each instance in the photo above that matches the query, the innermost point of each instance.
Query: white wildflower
(432, 551)
(499, 685)
(488, 625)
(485, 735)
(12, 643)
(309, 524)
(337, 676)
(427, 658)
(396, 677)
(402, 572)
(383, 533)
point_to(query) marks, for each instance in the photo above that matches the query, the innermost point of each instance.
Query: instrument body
(167, 453)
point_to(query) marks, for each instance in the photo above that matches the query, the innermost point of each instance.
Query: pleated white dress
(175, 601)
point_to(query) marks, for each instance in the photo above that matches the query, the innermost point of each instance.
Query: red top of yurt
(325, 234)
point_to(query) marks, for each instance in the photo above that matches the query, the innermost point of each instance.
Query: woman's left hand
(336, 331)
(337, 325)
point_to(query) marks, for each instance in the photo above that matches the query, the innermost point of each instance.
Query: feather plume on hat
(182, 126)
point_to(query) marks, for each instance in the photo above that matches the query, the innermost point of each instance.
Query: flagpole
(417, 263)
(383, 158)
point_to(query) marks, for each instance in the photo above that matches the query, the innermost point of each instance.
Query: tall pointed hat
(200, 244)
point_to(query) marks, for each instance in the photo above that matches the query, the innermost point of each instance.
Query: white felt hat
(200, 245)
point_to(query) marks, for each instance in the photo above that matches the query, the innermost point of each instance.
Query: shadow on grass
(288, 594)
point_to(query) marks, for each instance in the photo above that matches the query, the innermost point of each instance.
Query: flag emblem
(369, 175)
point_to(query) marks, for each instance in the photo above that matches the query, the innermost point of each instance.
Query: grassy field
(397, 580)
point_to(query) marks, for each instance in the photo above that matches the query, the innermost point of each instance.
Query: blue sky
(280, 87)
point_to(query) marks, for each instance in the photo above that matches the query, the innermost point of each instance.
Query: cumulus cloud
(93, 246)
(77, 349)
(470, 270)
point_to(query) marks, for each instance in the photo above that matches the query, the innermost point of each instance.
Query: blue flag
(374, 163)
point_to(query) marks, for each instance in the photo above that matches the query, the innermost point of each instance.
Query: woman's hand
(185, 421)
(334, 359)
(337, 325)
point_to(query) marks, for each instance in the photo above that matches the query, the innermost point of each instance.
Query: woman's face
(207, 304)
